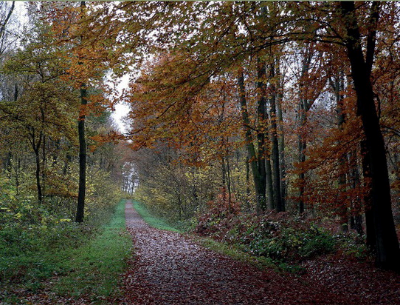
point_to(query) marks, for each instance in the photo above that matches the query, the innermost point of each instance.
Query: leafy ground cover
(86, 263)
(278, 237)
(171, 268)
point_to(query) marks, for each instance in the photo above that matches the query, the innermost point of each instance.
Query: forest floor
(170, 268)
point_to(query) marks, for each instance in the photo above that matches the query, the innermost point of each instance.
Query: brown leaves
(171, 269)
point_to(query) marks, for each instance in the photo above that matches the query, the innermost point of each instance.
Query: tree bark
(264, 160)
(337, 84)
(82, 157)
(281, 137)
(302, 146)
(387, 245)
(276, 175)
(259, 175)
(80, 210)
(369, 213)
(304, 107)
(36, 148)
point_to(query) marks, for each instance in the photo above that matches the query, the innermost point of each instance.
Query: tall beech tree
(387, 245)
(85, 66)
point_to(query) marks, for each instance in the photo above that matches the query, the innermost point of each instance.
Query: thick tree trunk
(369, 213)
(387, 245)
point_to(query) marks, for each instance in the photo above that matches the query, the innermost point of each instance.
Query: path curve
(169, 268)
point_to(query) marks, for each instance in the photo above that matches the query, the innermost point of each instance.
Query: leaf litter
(170, 268)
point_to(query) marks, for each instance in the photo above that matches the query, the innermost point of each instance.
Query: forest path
(169, 268)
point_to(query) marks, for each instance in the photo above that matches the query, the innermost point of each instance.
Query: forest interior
(260, 147)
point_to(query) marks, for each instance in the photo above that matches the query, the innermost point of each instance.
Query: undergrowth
(276, 238)
(67, 258)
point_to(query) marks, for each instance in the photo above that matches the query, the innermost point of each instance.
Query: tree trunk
(264, 161)
(356, 204)
(304, 107)
(337, 85)
(259, 175)
(36, 149)
(82, 157)
(80, 210)
(302, 145)
(37, 174)
(387, 245)
(369, 213)
(281, 137)
(279, 205)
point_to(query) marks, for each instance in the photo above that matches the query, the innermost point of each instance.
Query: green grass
(235, 253)
(152, 220)
(94, 269)
(91, 267)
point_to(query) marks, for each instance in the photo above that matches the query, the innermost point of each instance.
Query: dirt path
(169, 268)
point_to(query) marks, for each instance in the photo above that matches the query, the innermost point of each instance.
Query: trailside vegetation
(273, 126)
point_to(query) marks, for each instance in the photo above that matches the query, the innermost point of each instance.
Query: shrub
(275, 235)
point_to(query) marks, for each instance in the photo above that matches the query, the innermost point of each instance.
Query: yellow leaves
(65, 220)
(18, 215)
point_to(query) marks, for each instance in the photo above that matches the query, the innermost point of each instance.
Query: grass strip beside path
(95, 268)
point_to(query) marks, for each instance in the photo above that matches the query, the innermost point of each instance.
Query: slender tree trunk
(264, 161)
(248, 182)
(44, 164)
(281, 137)
(6, 20)
(302, 145)
(37, 174)
(82, 157)
(280, 207)
(80, 210)
(387, 245)
(304, 106)
(36, 149)
(337, 85)
(228, 182)
(17, 174)
(259, 176)
(354, 177)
